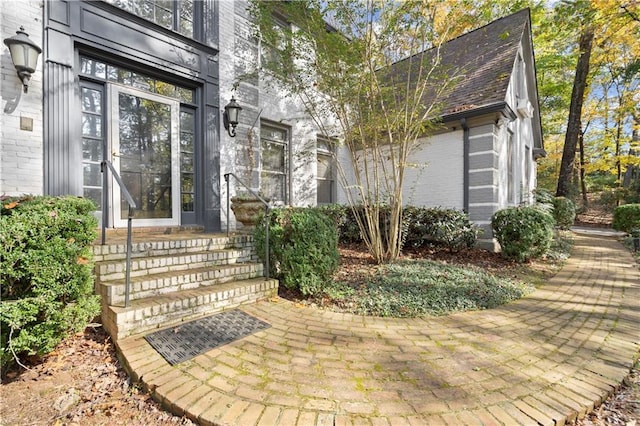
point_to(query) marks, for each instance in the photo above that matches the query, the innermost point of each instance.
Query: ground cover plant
(412, 288)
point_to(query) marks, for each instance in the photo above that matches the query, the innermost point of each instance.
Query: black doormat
(181, 343)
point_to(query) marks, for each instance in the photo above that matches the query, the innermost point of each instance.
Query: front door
(144, 133)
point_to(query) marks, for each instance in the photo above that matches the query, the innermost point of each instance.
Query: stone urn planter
(247, 209)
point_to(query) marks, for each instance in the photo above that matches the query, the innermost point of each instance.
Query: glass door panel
(145, 133)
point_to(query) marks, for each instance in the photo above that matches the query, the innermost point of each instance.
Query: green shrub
(436, 226)
(304, 248)
(421, 226)
(523, 232)
(344, 220)
(564, 212)
(626, 217)
(544, 200)
(632, 193)
(46, 269)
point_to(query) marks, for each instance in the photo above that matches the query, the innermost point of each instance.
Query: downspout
(466, 148)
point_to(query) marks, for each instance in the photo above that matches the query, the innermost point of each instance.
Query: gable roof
(484, 60)
(477, 66)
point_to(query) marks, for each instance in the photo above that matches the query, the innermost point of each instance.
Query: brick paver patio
(545, 359)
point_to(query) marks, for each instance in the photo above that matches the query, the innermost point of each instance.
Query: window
(103, 71)
(273, 49)
(93, 140)
(187, 151)
(326, 173)
(520, 85)
(176, 15)
(528, 158)
(274, 143)
(511, 196)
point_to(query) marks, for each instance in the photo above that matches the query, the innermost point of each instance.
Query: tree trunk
(583, 183)
(575, 111)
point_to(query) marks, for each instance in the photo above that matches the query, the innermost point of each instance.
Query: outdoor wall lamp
(230, 116)
(24, 54)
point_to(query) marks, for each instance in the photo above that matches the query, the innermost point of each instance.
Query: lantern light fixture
(24, 54)
(230, 116)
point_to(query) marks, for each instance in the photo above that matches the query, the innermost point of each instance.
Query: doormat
(183, 342)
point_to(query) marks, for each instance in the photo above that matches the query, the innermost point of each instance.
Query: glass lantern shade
(24, 54)
(231, 116)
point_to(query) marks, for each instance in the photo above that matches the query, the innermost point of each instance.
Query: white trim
(473, 154)
(483, 186)
(483, 135)
(490, 169)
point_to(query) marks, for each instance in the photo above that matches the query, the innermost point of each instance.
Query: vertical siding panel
(62, 171)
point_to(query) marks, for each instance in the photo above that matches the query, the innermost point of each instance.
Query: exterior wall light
(230, 116)
(24, 54)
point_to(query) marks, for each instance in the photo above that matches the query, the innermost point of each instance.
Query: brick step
(173, 308)
(113, 292)
(166, 247)
(150, 265)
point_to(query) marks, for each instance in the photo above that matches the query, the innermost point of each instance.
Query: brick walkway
(544, 359)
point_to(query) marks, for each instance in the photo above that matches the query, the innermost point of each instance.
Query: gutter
(465, 176)
(501, 106)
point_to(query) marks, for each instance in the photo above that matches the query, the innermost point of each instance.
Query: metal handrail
(104, 167)
(267, 209)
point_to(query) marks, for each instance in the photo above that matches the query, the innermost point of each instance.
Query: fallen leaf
(10, 206)
(81, 260)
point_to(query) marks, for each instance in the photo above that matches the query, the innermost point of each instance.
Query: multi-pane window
(187, 151)
(274, 143)
(326, 173)
(176, 15)
(103, 71)
(91, 99)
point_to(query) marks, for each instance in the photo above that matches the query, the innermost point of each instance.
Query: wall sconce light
(230, 116)
(24, 54)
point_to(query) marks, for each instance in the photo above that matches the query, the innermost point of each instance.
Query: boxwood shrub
(524, 232)
(626, 217)
(46, 268)
(564, 212)
(303, 248)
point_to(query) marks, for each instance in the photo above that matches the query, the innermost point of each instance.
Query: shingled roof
(481, 61)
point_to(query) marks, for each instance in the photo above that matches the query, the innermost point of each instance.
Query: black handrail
(106, 166)
(267, 208)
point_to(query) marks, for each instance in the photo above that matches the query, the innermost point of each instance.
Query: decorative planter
(246, 210)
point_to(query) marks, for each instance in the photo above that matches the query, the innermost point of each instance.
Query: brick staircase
(175, 278)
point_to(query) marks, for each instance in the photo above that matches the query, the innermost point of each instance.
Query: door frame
(113, 90)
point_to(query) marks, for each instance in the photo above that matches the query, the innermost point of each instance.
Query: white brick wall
(437, 180)
(435, 177)
(21, 151)
(272, 105)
